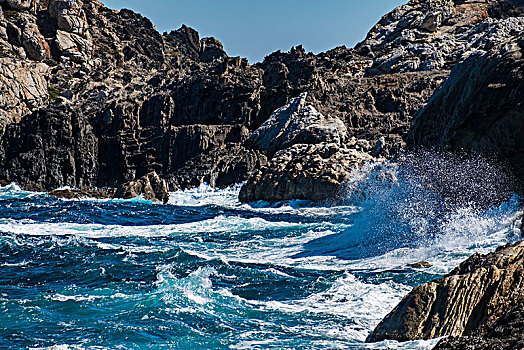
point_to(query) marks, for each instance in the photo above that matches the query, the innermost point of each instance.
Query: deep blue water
(206, 272)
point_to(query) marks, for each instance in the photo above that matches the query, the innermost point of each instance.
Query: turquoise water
(207, 272)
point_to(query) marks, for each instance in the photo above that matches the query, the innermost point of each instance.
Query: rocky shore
(98, 100)
(94, 98)
(480, 300)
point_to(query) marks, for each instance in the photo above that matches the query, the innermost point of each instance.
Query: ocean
(208, 272)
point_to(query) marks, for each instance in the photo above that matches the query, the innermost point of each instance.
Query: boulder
(469, 301)
(69, 16)
(296, 123)
(149, 185)
(72, 45)
(432, 22)
(314, 172)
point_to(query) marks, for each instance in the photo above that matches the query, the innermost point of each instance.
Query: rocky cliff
(480, 107)
(93, 97)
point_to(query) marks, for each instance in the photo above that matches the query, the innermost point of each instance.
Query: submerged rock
(150, 186)
(420, 264)
(470, 301)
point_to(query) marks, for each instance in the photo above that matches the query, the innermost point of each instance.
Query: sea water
(207, 272)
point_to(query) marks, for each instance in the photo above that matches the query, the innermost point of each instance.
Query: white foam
(13, 191)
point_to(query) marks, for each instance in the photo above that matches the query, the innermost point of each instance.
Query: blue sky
(255, 28)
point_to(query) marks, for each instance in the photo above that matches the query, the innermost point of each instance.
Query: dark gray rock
(222, 167)
(150, 186)
(19, 4)
(479, 108)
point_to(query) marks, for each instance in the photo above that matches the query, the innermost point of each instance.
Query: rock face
(475, 299)
(220, 168)
(428, 35)
(149, 185)
(480, 107)
(505, 334)
(24, 88)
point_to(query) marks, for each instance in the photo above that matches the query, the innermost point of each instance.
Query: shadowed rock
(505, 334)
(480, 107)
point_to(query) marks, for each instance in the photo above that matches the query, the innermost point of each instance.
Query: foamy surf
(208, 271)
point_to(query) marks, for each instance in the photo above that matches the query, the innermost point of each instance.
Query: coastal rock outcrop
(475, 299)
(505, 334)
(310, 155)
(296, 123)
(150, 186)
(315, 172)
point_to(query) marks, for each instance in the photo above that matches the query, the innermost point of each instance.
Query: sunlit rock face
(176, 104)
(469, 301)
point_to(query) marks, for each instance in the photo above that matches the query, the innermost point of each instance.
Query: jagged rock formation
(315, 172)
(505, 334)
(312, 157)
(295, 123)
(93, 97)
(437, 34)
(476, 299)
(480, 107)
